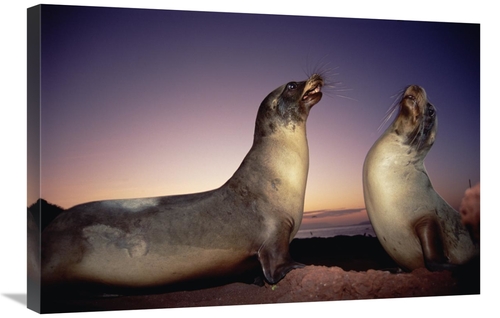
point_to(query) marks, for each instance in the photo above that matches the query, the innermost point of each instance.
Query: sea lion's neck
(284, 143)
(392, 145)
(276, 166)
(291, 136)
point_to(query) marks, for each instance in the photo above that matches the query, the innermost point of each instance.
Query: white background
(13, 154)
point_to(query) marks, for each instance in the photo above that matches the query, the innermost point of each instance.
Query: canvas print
(184, 159)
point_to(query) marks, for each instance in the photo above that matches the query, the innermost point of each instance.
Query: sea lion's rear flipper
(275, 259)
(429, 233)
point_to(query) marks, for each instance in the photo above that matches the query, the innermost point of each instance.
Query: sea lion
(413, 223)
(157, 241)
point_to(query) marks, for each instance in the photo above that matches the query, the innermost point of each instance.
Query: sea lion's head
(416, 123)
(288, 106)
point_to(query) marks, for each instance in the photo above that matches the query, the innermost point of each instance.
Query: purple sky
(142, 103)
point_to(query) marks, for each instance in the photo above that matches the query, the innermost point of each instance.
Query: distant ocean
(350, 230)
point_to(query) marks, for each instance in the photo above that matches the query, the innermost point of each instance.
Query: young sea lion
(414, 224)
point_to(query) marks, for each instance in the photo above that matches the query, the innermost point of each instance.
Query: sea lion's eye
(291, 85)
(431, 111)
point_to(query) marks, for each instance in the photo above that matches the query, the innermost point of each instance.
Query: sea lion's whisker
(321, 67)
(346, 97)
(396, 105)
(388, 115)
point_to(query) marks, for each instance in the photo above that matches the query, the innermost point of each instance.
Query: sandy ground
(340, 268)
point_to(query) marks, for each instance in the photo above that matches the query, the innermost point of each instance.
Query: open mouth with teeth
(314, 92)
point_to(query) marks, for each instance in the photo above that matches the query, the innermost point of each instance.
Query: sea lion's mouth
(312, 92)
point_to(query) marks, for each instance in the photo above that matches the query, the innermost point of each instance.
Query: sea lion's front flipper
(275, 259)
(429, 233)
